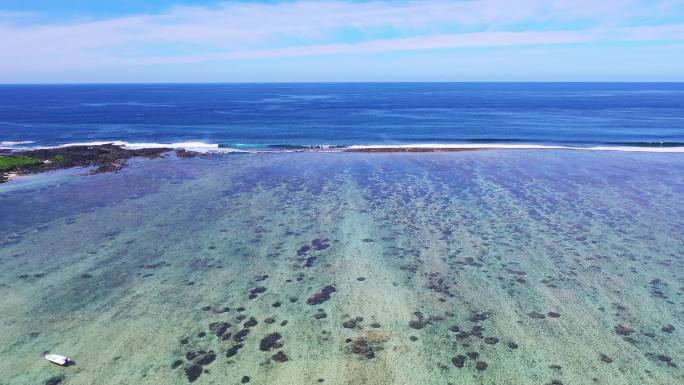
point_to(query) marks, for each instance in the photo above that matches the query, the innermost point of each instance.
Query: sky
(82, 41)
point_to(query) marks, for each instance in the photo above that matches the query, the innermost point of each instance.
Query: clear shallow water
(249, 116)
(539, 257)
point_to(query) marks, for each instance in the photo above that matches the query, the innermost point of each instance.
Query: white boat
(57, 359)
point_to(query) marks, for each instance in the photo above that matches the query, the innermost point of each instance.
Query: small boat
(57, 359)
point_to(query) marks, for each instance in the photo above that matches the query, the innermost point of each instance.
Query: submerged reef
(351, 268)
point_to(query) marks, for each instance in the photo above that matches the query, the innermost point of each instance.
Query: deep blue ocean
(284, 115)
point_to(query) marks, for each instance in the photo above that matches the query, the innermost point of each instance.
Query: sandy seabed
(488, 267)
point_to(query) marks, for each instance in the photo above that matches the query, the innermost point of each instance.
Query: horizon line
(358, 82)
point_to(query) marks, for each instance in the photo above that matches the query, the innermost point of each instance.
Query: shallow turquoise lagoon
(485, 267)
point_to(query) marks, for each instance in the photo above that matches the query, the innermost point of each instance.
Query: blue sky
(49, 41)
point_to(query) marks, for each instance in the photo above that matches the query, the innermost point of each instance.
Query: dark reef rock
(459, 361)
(512, 345)
(183, 153)
(478, 317)
(310, 261)
(251, 322)
(491, 340)
(56, 380)
(279, 357)
(219, 328)
(481, 365)
(256, 291)
(476, 331)
(605, 358)
(271, 341)
(303, 250)
(206, 359)
(352, 323)
(176, 364)
(535, 315)
(320, 244)
(668, 328)
(362, 348)
(320, 314)
(623, 330)
(321, 296)
(631, 340)
(664, 358)
(233, 350)
(462, 335)
(153, 265)
(226, 336)
(245, 380)
(193, 372)
(105, 158)
(418, 323)
(240, 336)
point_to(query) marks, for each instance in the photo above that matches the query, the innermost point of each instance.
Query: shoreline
(102, 158)
(113, 156)
(7, 147)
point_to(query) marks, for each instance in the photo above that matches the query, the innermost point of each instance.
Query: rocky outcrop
(102, 158)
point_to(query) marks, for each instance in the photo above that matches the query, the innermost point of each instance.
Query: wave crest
(204, 147)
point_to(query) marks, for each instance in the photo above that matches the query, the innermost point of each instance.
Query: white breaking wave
(492, 146)
(133, 104)
(635, 149)
(204, 147)
(13, 144)
(189, 146)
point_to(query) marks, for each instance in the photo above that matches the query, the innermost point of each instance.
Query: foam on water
(204, 147)
(11, 144)
(495, 146)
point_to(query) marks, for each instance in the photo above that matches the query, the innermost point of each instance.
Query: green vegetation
(8, 163)
(58, 158)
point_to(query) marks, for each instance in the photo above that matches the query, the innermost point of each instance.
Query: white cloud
(234, 31)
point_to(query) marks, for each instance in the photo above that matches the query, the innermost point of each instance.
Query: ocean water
(287, 116)
(477, 267)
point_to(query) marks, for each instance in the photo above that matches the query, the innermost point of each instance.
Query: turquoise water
(485, 267)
